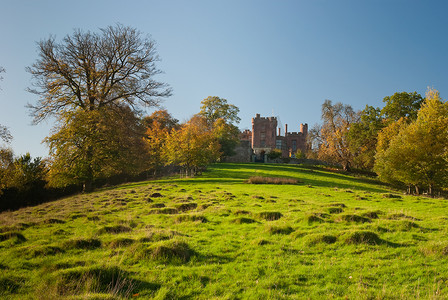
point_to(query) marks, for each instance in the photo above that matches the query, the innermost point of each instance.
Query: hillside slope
(216, 236)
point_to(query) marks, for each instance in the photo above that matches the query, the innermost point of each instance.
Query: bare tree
(89, 71)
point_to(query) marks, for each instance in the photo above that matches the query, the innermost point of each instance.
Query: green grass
(330, 236)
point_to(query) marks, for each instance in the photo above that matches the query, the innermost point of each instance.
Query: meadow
(321, 235)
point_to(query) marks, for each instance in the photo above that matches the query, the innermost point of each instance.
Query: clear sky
(277, 58)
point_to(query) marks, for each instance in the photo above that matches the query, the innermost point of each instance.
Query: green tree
(214, 108)
(221, 118)
(84, 76)
(27, 171)
(363, 135)
(402, 105)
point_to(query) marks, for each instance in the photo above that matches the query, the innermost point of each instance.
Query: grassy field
(218, 237)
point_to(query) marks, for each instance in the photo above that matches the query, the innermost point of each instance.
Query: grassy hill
(216, 236)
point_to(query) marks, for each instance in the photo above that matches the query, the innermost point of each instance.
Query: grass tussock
(82, 243)
(116, 229)
(102, 282)
(187, 206)
(363, 237)
(354, 218)
(391, 196)
(191, 218)
(164, 211)
(243, 220)
(270, 215)
(121, 242)
(172, 251)
(280, 230)
(158, 235)
(372, 214)
(44, 251)
(12, 235)
(437, 249)
(272, 180)
(400, 216)
(315, 218)
(10, 284)
(335, 210)
(315, 239)
(54, 221)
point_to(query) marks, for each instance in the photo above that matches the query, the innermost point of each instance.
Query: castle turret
(304, 128)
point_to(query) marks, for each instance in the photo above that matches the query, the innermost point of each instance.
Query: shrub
(274, 154)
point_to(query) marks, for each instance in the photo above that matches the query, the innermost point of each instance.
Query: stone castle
(266, 136)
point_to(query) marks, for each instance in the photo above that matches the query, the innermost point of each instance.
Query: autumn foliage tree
(159, 125)
(192, 147)
(332, 135)
(84, 80)
(89, 145)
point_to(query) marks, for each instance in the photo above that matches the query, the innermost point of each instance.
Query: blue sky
(279, 58)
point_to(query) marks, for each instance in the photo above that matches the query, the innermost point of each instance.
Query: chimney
(286, 129)
(279, 131)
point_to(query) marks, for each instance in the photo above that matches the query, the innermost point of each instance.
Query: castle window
(294, 145)
(262, 135)
(278, 144)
